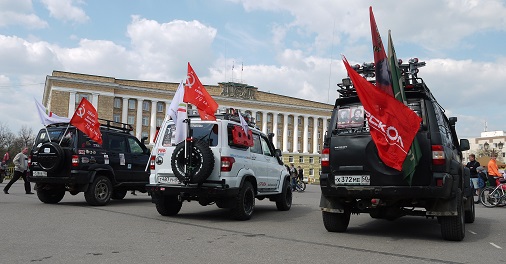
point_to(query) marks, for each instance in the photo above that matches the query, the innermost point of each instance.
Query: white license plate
(353, 180)
(39, 174)
(166, 179)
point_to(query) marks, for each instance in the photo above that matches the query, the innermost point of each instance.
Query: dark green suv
(354, 179)
(65, 159)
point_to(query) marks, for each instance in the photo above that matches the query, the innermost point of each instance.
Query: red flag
(382, 70)
(196, 94)
(392, 124)
(85, 118)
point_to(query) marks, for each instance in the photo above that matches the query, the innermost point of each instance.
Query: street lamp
(489, 152)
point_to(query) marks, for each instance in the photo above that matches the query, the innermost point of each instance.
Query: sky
(286, 47)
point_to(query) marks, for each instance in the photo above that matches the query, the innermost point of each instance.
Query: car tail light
(29, 161)
(438, 155)
(75, 160)
(325, 157)
(226, 163)
(439, 182)
(152, 163)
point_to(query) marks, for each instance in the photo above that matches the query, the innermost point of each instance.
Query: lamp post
(489, 152)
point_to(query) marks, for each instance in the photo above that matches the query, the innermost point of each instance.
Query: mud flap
(330, 205)
(445, 207)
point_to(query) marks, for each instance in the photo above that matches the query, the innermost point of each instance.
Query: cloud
(19, 12)
(66, 10)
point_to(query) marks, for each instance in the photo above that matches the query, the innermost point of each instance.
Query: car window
(265, 147)
(116, 143)
(86, 142)
(55, 135)
(257, 144)
(205, 132)
(135, 147)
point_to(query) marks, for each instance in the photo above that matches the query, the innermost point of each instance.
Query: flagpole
(63, 134)
(47, 132)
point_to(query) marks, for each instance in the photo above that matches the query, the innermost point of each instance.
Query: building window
(319, 135)
(298, 146)
(308, 145)
(131, 103)
(290, 121)
(311, 160)
(80, 96)
(290, 159)
(159, 122)
(269, 130)
(289, 132)
(269, 118)
(319, 147)
(319, 122)
(299, 120)
(117, 102)
(145, 106)
(130, 120)
(145, 121)
(299, 133)
(279, 131)
(144, 134)
(311, 172)
(301, 159)
(116, 118)
(159, 107)
(258, 117)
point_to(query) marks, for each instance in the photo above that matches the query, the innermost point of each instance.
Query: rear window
(65, 137)
(206, 132)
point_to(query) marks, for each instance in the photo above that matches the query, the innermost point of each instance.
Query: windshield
(206, 132)
(55, 135)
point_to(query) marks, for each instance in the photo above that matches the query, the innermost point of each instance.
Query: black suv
(355, 180)
(65, 159)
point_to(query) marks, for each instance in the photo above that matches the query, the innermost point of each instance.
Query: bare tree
(26, 136)
(6, 138)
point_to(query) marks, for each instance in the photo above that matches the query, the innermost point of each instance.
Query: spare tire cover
(50, 156)
(202, 162)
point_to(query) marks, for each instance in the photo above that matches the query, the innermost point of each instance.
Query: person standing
(293, 175)
(472, 165)
(20, 167)
(300, 173)
(493, 170)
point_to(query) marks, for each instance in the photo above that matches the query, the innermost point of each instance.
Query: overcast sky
(287, 47)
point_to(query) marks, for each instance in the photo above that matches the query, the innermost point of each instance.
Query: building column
(275, 129)
(72, 103)
(285, 132)
(124, 110)
(254, 115)
(152, 123)
(264, 122)
(138, 120)
(324, 129)
(295, 133)
(306, 135)
(94, 100)
(315, 135)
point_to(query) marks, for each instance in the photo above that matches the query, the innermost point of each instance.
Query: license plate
(353, 180)
(166, 179)
(39, 173)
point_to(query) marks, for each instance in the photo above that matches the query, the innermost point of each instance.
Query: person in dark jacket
(473, 165)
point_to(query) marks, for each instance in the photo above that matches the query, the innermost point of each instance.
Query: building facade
(299, 125)
(489, 142)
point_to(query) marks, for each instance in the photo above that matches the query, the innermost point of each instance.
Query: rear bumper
(74, 177)
(194, 191)
(445, 191)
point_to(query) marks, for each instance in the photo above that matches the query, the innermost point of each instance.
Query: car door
(271, 165)
(136, 161)
(117, 151)
(258, 162)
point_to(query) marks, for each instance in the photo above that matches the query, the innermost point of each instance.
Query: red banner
(196, 94)
(392, 124)
(381, 69)
(85, 118)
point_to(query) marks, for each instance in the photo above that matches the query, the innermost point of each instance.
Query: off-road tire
(50, 196)
(50, 156)
(168, 205)
(470, 214)
(244, 203)
(202, 161)
(118, 194)
(336, 222)
(284, 199)
(453, 227)
(99, 192)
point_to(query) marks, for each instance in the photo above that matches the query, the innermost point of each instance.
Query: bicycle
(494, 196)
(300, 185)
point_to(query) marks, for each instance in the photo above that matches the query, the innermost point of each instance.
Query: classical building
(298, 124)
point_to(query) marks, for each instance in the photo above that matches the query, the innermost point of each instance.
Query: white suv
(227, 167)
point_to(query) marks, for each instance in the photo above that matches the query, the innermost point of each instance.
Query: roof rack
(112, 125)
(409, 72)
(227, 114)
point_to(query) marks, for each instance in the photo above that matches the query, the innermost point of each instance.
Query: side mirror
(464, 145)
(453, 120)
(143, 139)
(277, 153)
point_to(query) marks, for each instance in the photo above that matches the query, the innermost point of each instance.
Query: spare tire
(50, 156)
(202, 162)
